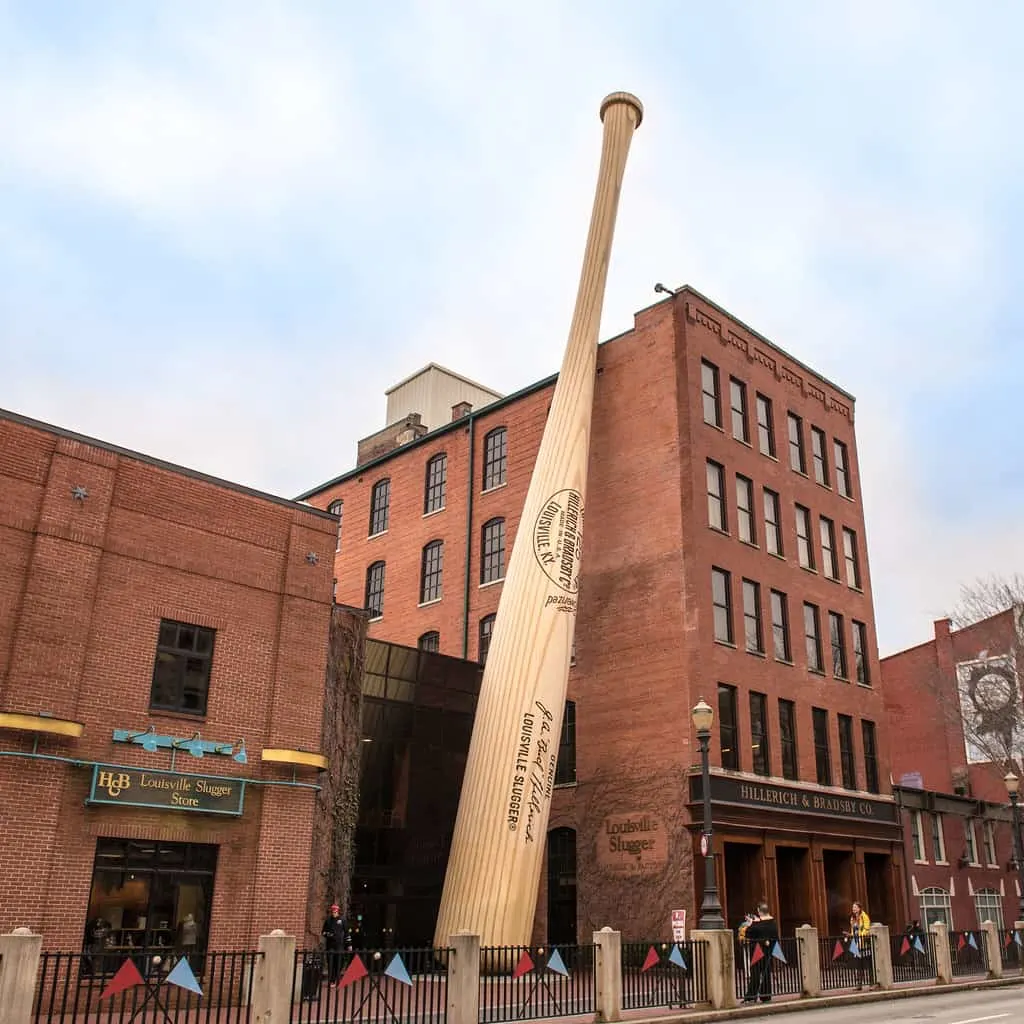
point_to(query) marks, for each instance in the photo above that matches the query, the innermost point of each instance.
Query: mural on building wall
(990, 704)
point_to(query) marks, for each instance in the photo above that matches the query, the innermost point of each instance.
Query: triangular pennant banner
(854, 948)
(355, 970)
(918, 944)
(1008, 940)
(778, 954)
(651, 961)
(972, 941)
(904, 946)
(838, 951)
(557, 965)
(396, 969)
(524, 966)
(1017, 939)
(183, 976)
(127, 977)
(757, 956)
(676, 957)
(961, 942)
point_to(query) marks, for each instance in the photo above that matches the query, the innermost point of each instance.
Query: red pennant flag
(757, 955)
(960, 945)
(1009, 939)
(838, 951)
(905, 946)
(355, 970)
(127, 977)
(524, 966)
(651, 961)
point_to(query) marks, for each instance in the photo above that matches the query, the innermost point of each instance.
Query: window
(780, 626)
(181, 670)
(804, 549)
(850, 555)
(860, 652)
(787, 739)
(437, 482)
(812, 635)
(936, 908)
(847, 766)
(495, 457)
(797, 458)
(765, 426)
(837, 637)
(492, 551)
(917, 836)
(430, 642)
(822, 755)
(716, 497)
(971, 843)
(565, 766)
(870, 744)
(484, 644)
(988, 905)
(988, 837)
(938, 839)
(829, 561)
(738, 404)
(772, 523)
(709, 393)
(430, 574)
(728, 729)
(842, 469)
(819, 456)
(745, 510)
(380, 503)
(759, 733)
(336, 508)
(721, 598)
(753, 636)
(375, 590)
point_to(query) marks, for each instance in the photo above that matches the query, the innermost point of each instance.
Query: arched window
(988, 905)
(430, 642)
(492, 551)
(375, 590)
(436, 484)
(936, 908)
(486, 631)
(495, 457)
(336, 508)
(565, 766)
(380, 504)
(430, 571)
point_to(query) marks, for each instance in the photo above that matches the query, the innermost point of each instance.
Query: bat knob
(627, 98)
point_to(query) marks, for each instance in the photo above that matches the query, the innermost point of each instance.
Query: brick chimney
(461, 409)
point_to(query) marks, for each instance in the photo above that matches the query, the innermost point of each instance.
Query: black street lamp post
(1012, 786)
(710, 909)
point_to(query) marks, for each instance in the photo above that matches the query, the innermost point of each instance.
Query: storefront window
(989, 906)
(936, 908)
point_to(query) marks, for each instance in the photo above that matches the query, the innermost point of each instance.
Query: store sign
(798, 801)
(131, 787)
(632, 844)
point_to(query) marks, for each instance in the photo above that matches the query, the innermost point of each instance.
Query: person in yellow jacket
(860, 929)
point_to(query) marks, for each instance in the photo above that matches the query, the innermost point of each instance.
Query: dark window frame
(760, 748)
(765, 425)
(851, 558)
(847, 758)
(780, 626)
(797, 452)
(495, 468)
(746, 521)
(715, 475)
(435, 487)
(714, 396)
(492, 550)
(822, 747)
(788, 740)
(182, 649)
(841, 456)
(738, 416)
(753, 628)
(728, 727)
(376, 574)
(485, 633)
(430, 642)
(719, 608)
(812, 640)
(829, 555)
(869, 743)
(862, 670)
(380, 506)
(432, 572)
(804, 540)
(773, 542)
(337, 508)
(819, 457)
(837, 641)
(565, 765)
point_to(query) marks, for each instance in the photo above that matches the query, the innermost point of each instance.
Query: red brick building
(958, 826)
(725, 558)
(150, 615)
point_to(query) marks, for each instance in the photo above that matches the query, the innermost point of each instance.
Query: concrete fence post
(720, 964)
(608, 971)
(990, 936)
(463, 997)
(810, 961)
(881, 949)
(19, 967)
(939, 935)
(274, 978)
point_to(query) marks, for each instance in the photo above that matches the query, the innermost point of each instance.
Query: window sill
(922, 862)
(180, 716)
(841, 679)
(799, 472)
(942, 863)
(725, 643)
(718, 529)
(375, 618)
(824, 487)
(855, 588)
(750, 544)
(810, 568)
(847, 497)
(816, 672)
(832, 579)
(496, 487)
(715, 426)
(777, 554)
(565, 785)
(757, 654)
(743, 441)
(427, 604)
(769, 455)
(784, 661)
(865, 686)
(491, 583)
(435, 511)
(379, 533)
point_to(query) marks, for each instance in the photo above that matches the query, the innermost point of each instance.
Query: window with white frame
(988, 905)
(971, 841)
(988, 833)
(938, 839)
(917, 836)
(936, 908)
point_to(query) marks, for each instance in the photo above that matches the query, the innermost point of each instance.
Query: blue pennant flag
(971, 941)
(778, 954)
(854, 948)
(918, 944)
(676, 957)
(1017, 939)
(183, 977)
(396, 969)
(556, 964)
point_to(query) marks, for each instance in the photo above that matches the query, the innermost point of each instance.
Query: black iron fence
(376, 986)
(767, 969)
(672, 974)
(1011, 946)
(529, 982)
(969, 953)
(913, 958)
(145, 988)
(846, 962)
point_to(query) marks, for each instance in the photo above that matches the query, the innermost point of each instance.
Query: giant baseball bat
(501, 828)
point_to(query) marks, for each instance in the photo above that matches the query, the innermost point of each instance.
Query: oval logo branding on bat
(558, 540)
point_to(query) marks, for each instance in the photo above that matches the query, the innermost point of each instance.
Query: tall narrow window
(492, 551)
(765, 426)
(431, 571)
(780, 626)
(337, 508)
(860, 652)
(819, 455)
(745, 510)
(837, 638)
(430, 642)
(752, 632)
(759, 734)
(436, 484)
(484, 642)
(738, 405)
(846, 763)
(829, 559)
(380, 505)
(495, 457)
(375, 590)
(716, 497)
(182, 667)
(870, 744)
(988, 836)
(710, 393)
(565, 766)
(822, 754)
(721, 599)
(917, 836)
(938, 839)
(797, 457)
(842, 461)
(787, 739)
(812, 635)
(804, 548)
(772, 523)
(971, 842)
(728, 727)
(850, 556)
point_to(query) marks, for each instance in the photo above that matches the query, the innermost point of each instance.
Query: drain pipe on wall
(471, 428)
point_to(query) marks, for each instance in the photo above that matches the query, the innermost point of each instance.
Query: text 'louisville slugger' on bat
(501, 828)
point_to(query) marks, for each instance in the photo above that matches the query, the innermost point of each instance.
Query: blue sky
(226, 228)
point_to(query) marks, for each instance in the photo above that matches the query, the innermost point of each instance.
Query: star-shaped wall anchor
(313, 558)
(79, 493)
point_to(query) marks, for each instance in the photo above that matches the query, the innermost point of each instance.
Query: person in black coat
(334, 933)
(763, 932)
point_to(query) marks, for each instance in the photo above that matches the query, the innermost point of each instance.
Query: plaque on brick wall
(635, 843)
(168, 791)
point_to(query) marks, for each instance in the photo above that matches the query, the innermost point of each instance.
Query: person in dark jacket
(334, 933)
(763, 932)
